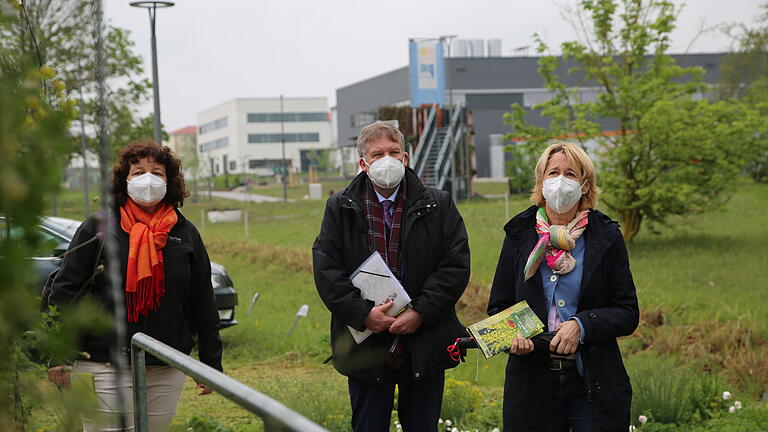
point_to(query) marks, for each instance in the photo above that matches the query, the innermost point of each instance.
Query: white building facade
(243, 135)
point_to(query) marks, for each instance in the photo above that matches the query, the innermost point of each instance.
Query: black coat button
(593, 315)
(597, 386)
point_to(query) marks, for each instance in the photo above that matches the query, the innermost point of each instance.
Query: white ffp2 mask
(146, 189)
(561, 193)
(386, 172)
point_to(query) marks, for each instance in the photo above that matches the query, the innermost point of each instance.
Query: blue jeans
(570, 410)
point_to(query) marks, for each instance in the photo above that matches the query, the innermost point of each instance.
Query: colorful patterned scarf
(377, 237)
(555, 242)
(148, 233)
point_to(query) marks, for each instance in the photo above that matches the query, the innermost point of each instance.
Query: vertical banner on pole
(427, 72)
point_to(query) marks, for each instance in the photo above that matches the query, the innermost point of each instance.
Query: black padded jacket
(187, 311)
(434, 267)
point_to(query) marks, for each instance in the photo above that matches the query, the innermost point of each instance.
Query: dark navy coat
(607, 308)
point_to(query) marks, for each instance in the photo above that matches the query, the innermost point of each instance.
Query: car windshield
(62, 226)
(48, 241)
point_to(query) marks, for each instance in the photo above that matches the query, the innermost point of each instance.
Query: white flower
(632, 428)
(737, 404)
(726, 395)
(448, 422)
(454, 430)
(495, 430)
(439, 421)
(642, 419)
(398, 427)
(731, 409)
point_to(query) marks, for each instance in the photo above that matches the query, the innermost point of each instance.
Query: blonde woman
(570, 263)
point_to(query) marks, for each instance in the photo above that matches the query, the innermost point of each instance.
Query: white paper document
(377, 283)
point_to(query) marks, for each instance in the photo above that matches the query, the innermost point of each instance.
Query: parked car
(57, 232)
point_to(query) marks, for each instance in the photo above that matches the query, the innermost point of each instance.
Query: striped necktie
(387, 205)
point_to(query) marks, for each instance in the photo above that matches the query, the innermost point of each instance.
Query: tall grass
(667, 393)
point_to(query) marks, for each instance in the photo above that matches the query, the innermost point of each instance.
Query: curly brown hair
(133, 153)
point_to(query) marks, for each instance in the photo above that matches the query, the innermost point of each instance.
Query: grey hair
(377, 130)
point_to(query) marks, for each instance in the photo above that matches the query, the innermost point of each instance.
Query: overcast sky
(211, 51)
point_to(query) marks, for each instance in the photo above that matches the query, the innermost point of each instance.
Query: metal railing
(420, 156)
(448, 146)
(276, 416)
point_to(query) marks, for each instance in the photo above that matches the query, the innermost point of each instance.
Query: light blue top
(563, 290)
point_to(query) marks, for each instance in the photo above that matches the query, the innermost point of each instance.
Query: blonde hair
(579, 159)
(377, 130)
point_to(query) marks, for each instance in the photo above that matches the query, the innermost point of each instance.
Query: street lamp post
(246, 179)
(151, 7)
(282, 141)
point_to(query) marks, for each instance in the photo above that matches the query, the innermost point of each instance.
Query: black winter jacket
(186, 312)
(607, 309)
(434, 266)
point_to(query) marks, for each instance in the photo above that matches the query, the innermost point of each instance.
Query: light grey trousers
(164, 385)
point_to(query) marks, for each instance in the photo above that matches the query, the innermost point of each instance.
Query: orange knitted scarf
(148, 233)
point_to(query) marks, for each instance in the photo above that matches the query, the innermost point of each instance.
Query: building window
(232, 165)
(287, 117)
(264, 118)
(215, 144)
(212, 126)
(256, 163)
(289, 137)
(362, 119)
(575, 96)
(270, 164)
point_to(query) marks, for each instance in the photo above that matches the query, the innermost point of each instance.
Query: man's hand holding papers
(377, 284)
(377, 320)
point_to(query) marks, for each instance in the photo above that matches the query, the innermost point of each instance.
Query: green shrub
(669, 394)
(200, 424)
(489, 415)
(749, 419)
(462, 400)
(519, 169)
(226, 181)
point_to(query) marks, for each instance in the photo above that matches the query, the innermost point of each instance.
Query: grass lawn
(296, 192)
(492, 188)
(699, 282)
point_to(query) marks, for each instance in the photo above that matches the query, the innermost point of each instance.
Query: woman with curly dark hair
(166, 275)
